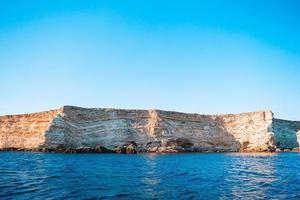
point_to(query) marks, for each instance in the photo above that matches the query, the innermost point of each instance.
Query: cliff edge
(75, 129)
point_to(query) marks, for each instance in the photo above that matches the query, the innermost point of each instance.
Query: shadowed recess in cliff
(287, 133)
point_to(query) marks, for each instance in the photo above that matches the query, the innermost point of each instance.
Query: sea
(30, 175)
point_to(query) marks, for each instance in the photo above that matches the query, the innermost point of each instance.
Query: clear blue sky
(190, 56)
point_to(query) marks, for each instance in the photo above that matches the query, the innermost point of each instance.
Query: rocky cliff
(74, 129)
(287, 133)
(26, 131)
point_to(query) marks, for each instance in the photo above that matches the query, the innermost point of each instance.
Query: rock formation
(75, 129)
(287, 133)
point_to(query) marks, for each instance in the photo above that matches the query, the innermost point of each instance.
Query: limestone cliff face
(287, 133)
(26, 131)
(139, 130)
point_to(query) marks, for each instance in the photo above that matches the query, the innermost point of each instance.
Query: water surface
(26, 175)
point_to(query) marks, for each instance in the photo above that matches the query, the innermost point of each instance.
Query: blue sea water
(27, 175)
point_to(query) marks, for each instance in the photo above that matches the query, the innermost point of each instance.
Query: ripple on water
(181, 176)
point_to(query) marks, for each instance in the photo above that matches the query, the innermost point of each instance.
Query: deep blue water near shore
(25, 175)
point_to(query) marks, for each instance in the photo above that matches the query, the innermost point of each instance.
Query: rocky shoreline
(130, 150)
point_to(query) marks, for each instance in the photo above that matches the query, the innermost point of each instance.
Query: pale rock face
(286, 133)
(146, 130)
(25, 131)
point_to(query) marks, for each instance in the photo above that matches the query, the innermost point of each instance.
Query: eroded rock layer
(287, 133)
(26, 131)
(74, 129)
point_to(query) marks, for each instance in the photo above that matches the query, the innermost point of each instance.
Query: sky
(208, 57)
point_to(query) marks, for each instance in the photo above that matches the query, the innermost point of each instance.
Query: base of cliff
(130, 150)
